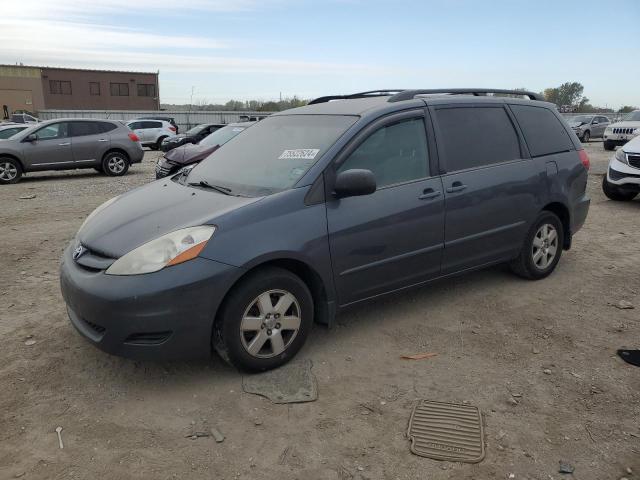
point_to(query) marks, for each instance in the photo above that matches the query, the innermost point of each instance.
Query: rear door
(393, 237)
(603, 122)
(490, 187)
(89, 143)
(152, 130)
(51, 150)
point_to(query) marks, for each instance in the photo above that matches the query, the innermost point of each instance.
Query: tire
(615, 193)
(158, 144)
(608, 145)
(586, 136)
(247, 337)
(10, 171)
(538, 243)
(115, 164)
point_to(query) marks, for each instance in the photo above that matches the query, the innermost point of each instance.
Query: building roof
(77, 69)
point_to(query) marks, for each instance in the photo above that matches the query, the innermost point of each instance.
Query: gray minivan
(321, 207)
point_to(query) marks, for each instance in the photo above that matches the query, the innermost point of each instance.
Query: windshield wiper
(217, 188)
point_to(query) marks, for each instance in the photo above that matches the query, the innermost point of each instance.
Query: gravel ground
(538, 358)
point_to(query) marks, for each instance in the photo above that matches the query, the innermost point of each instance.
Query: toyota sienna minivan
(321, 207)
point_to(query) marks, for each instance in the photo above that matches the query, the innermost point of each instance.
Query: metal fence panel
(185, 120)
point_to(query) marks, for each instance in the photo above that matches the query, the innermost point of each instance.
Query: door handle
(64, 144)
(428, 194)
(456, 187)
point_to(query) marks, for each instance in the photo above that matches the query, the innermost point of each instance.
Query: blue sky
(261, 48)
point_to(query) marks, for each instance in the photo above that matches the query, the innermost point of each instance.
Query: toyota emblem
(78, 252)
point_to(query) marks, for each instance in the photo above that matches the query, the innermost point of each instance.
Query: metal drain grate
(446, 431)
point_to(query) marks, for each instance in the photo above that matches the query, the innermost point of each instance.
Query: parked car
(23, 118)
(587, 127)
(321, 207)
(171, 120)
(622, 181)
(190, 154)
(64, 144)
(152, 132)
(8, 130)
(621, 132)
(193, 135)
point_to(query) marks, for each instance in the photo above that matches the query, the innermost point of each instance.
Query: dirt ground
(495, 336)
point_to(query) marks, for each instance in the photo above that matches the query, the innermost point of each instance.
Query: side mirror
(32, 137)
(595, 122)
(354, 182)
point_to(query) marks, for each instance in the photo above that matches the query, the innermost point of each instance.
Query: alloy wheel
(116, 164)
(270, 323)
(8, 171)
(545, 246)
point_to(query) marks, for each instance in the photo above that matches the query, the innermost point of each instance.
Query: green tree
(627, 109)
(569, 93)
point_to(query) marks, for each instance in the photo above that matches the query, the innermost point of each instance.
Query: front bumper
(618, 139)
(164, 168)
(623, 175)
(163, 315)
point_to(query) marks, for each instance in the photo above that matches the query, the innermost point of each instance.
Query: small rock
(217, 435)
(536, 351)
(27, 197)
(257, 422)
(360, 469)
(30, 342)
(565, 467)
(624, 478)
(349, 359)
(624, 305)
(500, 447)
(382, 402)
(516, 395)
(512, 401)
(629, 471)
(546, 371)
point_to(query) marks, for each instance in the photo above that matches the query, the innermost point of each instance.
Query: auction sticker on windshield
(299, 154)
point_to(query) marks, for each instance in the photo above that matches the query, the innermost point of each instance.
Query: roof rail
(409, 94)
(370, 93)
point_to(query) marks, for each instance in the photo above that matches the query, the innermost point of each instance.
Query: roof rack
(409, 94)
(370, 93)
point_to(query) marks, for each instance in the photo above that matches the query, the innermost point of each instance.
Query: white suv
(152, 132)
(622, 181)
(621, 132)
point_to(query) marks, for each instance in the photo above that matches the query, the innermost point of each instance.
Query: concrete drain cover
(291, 383)
(446, 431)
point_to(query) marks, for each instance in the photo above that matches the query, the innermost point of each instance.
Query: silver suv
(63, 144)
(587, 127)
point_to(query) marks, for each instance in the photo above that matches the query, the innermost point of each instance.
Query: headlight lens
(170, 249)
(99, 209)
(621, 156)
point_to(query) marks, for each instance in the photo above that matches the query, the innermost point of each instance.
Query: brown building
(43, 88)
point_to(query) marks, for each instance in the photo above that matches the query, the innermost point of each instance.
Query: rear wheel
(264, 321)
(158, 144)
(614, 192)
(608, 145)
(115, 164)
(542, 248)
(586, 136)
(10, 171)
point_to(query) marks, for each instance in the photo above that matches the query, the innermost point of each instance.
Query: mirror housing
(595, 122)
(32, 137)
(353, 183)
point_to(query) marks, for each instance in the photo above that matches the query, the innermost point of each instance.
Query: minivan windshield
(272, 155)
(221, 136)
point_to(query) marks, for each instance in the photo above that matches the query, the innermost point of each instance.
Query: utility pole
(190, 107)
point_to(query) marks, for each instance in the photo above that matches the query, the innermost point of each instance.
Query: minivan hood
(150, 211)
(190, 153)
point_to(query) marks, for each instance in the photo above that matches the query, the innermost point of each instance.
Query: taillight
(584, 158)
(134, 137)
(173, 129)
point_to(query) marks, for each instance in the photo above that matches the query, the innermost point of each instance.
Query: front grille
(150, 338)
(627, 131)
(634, 160)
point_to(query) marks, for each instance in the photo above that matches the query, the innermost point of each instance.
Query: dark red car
(172, 161)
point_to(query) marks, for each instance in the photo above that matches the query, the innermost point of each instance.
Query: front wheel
(115, 164)
(586, 136)
(608, 145)
(264, 320)
(10, 171)
(615, 193)
(542, 248)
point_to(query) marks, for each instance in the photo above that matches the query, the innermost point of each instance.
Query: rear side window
(80, 129)
(147, 124)
(395, 153)
(135, 125)
(105, 127)
(474, 137)
(542, 130)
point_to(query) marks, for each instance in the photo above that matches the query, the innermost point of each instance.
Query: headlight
(170, 249)
(621, 156)
(99, 209)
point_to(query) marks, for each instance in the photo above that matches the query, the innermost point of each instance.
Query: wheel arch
(115, 150)
(13, 157)
(562, 212)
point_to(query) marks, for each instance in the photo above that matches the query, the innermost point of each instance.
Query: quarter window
(146, 90)
(94, 88)
(542, 130)
(119, 89)
(473, 137)
(395, 153)
(60, 87)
